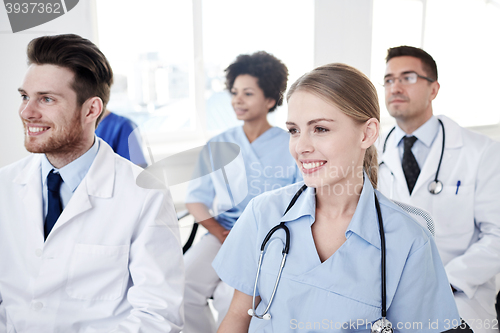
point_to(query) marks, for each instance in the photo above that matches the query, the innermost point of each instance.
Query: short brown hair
(428, 63)
(93, 74)
(352, 92)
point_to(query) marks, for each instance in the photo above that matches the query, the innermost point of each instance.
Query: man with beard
(82, 247)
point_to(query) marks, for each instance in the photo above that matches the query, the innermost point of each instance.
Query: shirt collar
(364, 222)
(72, 173)
(425, 133)
(305, 204)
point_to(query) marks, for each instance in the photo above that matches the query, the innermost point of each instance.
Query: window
(461, 36)
(150, 47)
(281, 27)
(153, 60)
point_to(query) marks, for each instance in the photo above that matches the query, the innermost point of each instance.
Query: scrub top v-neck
(263, 165)
(346, 288)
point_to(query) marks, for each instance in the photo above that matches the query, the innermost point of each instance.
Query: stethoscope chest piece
(435, 187)
(382, 326)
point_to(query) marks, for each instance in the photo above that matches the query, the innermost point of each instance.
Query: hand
(221, 236)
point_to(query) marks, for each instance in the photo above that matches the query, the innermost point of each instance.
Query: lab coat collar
(453, 133)
(99, 179)
(99, 182)
(391, 158)
(364, 222)
(30, 179)
(453, 140)
(31, 168)
(72, 173)
(101, 176)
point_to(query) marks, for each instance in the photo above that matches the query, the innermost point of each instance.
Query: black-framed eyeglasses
(405, 79)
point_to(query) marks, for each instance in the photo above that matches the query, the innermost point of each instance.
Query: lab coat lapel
(98, 182)
(428, 171)
(453, 140)
(392, 161)
(31, 192)
(453, 135)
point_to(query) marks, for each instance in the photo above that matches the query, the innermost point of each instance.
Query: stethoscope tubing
(266, 314)
(442, 151)
(382, 260)
(436, 180)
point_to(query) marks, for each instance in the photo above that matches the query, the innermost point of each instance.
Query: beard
(62, 141)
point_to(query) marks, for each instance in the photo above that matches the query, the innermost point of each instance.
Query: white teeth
(312, 165)
(37, 129)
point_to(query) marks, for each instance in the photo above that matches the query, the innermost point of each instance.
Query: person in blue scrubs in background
(331, 280)
(257, 83)
(122, 135)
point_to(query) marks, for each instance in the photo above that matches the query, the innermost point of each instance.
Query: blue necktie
(54, 182)
(410, 165)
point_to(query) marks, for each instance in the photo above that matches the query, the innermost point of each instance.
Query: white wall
(343, 33)
(80, 20)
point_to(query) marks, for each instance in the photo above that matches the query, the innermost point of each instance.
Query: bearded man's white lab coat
(112, 262)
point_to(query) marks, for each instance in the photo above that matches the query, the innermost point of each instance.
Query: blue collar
(425, 133)
(72, 173)
(364, 222)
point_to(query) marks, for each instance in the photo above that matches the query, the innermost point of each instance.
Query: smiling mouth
(312, 166)
(36, 130)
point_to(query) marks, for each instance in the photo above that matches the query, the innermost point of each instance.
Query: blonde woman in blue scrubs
(257, 83)
(331, 280)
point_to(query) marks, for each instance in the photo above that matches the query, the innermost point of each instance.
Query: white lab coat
(468, 221)
(112, 262)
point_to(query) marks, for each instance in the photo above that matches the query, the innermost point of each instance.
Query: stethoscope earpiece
(252, 313)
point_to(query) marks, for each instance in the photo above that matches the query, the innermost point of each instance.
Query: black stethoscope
(436, 186)
(382, 325)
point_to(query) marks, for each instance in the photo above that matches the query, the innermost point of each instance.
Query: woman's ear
(270, 103)
(371, 130)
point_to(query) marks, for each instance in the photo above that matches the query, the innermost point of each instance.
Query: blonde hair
(352, 92)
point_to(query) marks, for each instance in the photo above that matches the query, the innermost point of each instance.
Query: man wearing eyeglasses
(432, 163)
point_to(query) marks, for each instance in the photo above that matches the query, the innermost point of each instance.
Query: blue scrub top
(344, 292)
(121, 134)
(263, 165)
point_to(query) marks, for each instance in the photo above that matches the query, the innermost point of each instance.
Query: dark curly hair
(271, 74)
